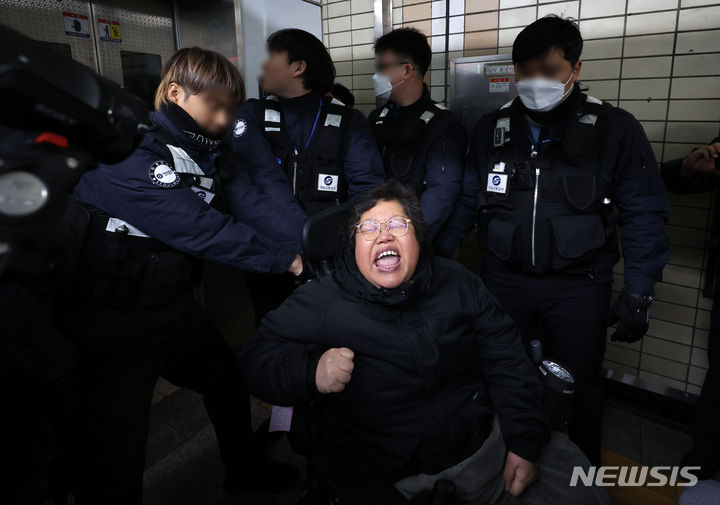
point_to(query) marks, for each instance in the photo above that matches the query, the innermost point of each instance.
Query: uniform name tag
(203, 193)
(499, 167)
(333, 120)
(497, 183)
(327, 182)
(272, 116)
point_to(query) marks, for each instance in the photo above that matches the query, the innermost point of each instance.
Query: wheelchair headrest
(323, 235)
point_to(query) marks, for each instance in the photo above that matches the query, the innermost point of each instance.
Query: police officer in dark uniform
(322, 149)
(560, 173)
(180, 198)
(699, 172)
(422, 144)
(303, 148)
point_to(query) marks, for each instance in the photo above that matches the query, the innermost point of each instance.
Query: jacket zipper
(295, 171)
(533, 155)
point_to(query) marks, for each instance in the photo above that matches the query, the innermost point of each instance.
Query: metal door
(140, 26)
(43, 20)
(479, 85)
(145, 27)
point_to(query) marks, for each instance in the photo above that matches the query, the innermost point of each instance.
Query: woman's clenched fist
(334, 370)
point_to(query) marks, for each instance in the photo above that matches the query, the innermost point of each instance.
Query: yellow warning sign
(109, 31)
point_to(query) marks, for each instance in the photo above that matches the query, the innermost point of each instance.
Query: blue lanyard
(540, 142)
(317, 116)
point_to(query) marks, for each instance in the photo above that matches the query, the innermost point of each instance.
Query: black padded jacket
(435, 359)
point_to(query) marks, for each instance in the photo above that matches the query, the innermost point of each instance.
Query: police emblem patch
(327, 182)
(162, 174)
(239, 128)
(497, 183)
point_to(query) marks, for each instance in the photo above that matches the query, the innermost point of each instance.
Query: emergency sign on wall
(499, 84)
(109, 31)
(76, 25)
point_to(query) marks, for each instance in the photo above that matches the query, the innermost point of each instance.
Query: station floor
(184, 468)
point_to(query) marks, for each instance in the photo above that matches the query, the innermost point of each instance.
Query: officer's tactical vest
(547, 210)
(124, 268)
(316, 173)
(405, 146)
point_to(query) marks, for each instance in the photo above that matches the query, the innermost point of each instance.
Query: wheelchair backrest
(323, 237)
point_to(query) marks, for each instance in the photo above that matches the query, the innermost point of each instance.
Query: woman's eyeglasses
(370, 229)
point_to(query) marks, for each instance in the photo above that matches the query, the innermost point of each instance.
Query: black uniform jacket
(434, 359)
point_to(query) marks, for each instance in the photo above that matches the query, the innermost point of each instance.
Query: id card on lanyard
(295, 149)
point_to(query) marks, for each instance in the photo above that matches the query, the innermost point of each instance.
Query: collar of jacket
(403, 125)
(558, 117)
(556, 121)
(205, 159)
(184, 128)
(302, 105)
(351, 280)
(415, 109)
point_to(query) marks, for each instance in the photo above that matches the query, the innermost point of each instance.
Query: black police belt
(124, 268)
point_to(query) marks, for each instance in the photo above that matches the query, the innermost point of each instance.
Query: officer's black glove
(630, 312)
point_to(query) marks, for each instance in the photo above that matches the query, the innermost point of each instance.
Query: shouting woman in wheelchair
(410, 373)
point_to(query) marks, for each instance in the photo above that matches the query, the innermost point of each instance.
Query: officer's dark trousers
(40, 436)
(569, 313)
(123, 353)
(706, 432)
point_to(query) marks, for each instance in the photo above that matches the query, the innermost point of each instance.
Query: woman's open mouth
(387, 260)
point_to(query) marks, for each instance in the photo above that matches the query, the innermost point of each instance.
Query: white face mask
(383, 87)
(540, 94)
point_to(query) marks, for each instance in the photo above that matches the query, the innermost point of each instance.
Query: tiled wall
(659, 59)
(348, 31)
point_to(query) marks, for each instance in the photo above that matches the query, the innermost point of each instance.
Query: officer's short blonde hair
(196, 70)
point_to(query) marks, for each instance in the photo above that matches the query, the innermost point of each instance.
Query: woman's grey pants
(479, 479)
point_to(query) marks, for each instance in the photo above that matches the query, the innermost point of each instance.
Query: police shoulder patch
(240, 127)
(163, 175)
